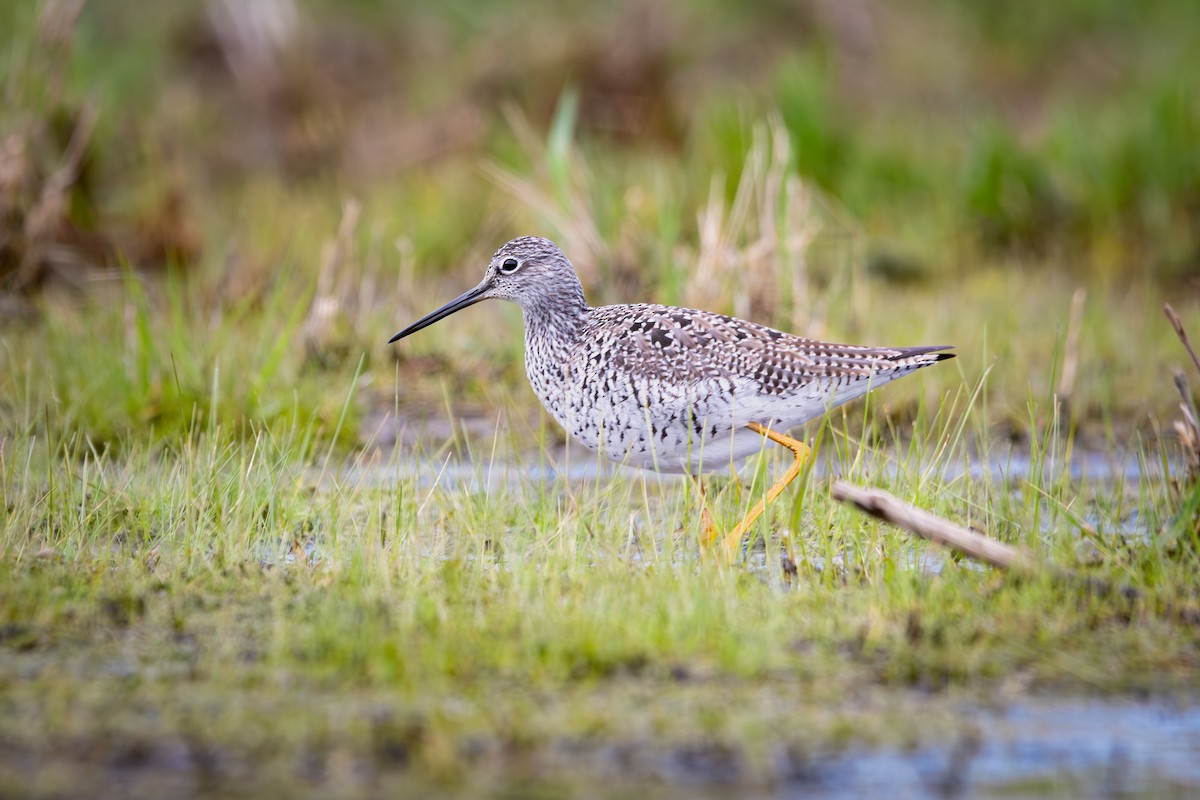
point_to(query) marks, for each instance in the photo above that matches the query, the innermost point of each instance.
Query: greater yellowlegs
(672, 389)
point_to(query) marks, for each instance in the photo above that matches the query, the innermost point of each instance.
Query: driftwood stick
(888, 508)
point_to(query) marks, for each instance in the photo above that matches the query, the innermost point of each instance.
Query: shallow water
(1034, 749)
(1003, 463)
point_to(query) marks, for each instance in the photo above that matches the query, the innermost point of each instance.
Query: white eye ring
(509, 265)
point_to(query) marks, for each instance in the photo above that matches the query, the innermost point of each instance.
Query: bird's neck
(558, 325)
(552, 332)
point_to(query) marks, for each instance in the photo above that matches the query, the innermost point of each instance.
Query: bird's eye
(510, 265)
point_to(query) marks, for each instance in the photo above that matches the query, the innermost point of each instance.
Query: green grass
(262, 618)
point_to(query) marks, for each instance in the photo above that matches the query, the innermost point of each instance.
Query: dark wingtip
(909, 352)
(396, 338)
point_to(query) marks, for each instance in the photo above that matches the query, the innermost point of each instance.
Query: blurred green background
(291, 182)
(237, 558)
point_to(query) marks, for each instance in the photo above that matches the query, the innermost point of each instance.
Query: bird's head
(529, 271)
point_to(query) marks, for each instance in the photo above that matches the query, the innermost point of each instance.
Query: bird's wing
(689, 345)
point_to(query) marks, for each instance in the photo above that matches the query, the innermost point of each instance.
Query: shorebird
(672, 389)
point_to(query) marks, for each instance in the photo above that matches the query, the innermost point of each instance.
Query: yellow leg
(708, 529)
(800, 449)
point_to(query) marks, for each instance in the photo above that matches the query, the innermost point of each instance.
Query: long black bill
(457, 304)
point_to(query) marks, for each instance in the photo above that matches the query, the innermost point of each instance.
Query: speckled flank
(670, 388)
